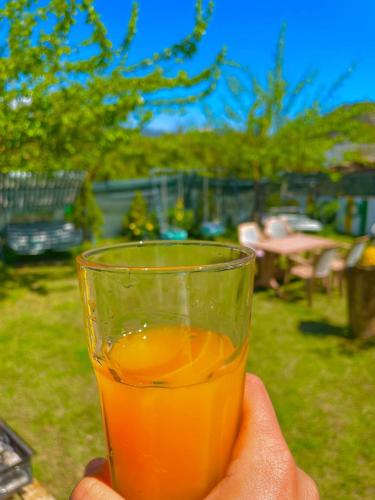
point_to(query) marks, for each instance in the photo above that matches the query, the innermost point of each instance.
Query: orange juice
(171, 400)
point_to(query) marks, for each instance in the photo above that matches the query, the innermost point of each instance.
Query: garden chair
(249, 234)
(275, 227)
(339, 265)
(320, 269)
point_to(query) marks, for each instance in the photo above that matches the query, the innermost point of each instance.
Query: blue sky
(323, 35)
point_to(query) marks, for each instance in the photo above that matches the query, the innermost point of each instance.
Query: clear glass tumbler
(168, 326)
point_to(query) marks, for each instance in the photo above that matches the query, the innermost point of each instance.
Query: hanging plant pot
(212, 229)
(361, 301)
(174, 233)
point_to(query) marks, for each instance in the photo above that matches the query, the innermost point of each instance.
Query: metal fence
(230, 200)
(320, 184)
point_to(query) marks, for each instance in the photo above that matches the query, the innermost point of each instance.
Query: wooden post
(361, 301)
(309, 286)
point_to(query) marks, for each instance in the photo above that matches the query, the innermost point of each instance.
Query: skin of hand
(262, 466)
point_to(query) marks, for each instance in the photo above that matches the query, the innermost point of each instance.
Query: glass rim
(247, 254)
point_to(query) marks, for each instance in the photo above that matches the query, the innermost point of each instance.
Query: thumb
(96, 483)
(90, 488)
(99, 468)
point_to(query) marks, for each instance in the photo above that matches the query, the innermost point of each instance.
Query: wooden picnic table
(289, 245)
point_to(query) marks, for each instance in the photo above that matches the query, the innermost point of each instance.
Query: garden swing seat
(174, 233)
(33, 207)
(211, 227)
(161, 178)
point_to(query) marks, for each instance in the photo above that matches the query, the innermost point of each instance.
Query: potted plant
(139, 223)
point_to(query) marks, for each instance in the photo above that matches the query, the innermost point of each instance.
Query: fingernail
(94, 465)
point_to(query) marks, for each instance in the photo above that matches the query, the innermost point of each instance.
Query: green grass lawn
(321, 382)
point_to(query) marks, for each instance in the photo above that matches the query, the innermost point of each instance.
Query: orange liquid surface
(171, 408)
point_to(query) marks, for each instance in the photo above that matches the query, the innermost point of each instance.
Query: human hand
(262, 466)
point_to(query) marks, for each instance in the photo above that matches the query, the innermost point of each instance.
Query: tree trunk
(258, 194)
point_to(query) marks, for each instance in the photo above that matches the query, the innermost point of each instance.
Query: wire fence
(229, 200)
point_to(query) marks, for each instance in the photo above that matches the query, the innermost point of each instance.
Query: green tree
(285, 127)
(210, 152)
(67, 94)
(86, 213)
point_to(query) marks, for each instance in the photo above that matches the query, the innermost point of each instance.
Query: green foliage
(284, 128)
(300, 146)
(139, 224)
(86, 213)
(200, 151)
(275, 200)
(359, 153)
(67, 93)
(180, 217)
(311, 206)
(327, 211)
(68, 105)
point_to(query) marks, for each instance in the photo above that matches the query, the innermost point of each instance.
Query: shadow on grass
(49, 257)
(34, 273)
(349, 346)
(354, 345)
(323, 329)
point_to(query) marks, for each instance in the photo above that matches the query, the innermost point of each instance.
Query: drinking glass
(168, 326)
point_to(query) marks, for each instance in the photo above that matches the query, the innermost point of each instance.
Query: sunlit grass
(322, 382)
